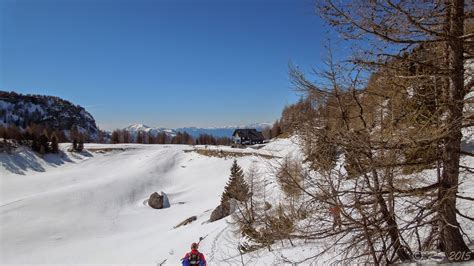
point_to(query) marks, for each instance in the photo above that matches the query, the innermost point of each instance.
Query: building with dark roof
(247, 136)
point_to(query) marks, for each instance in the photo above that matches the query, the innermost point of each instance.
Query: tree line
(33, 132)
(124, 136)
(43, 139)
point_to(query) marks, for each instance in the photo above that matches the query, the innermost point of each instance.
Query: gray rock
(155, 201)
(223, 210)
(220, 211)
(158, 201)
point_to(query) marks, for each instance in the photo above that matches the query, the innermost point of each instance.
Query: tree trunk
(393, 231)
(451, 238)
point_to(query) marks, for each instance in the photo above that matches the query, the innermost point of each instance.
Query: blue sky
(166, 63)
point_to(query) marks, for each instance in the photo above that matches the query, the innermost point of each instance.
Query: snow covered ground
(90, 207)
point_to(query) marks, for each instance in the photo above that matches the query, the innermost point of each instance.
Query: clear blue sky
(166, 63)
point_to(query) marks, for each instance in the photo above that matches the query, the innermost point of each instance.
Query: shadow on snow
(24, 160)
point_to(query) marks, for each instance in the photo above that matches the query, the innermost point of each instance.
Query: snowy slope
(89, 208)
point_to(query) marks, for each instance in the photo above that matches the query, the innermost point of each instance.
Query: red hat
(194, 246)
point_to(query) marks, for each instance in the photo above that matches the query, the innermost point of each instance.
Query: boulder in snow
(220, 211)
(158, 201)
(223, 210)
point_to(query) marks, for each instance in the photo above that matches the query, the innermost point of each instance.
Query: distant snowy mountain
(260, 126)
(134, 129)
(225, 131)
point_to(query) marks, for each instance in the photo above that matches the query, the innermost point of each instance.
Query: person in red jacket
(194, 258)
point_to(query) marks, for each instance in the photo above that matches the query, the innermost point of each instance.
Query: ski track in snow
(92, 207)
(214, 245)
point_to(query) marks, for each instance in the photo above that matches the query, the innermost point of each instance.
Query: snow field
(91, 207)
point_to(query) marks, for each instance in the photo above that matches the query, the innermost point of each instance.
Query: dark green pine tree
(236, 187)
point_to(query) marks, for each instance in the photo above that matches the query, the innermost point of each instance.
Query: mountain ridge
(224, 131)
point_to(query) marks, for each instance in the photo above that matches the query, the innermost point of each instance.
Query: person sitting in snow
(194, 257)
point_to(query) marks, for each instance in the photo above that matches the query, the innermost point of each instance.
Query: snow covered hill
(50, 111)
(91, 207)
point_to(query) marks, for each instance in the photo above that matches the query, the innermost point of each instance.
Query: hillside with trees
(382, 136)
(25, 117)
